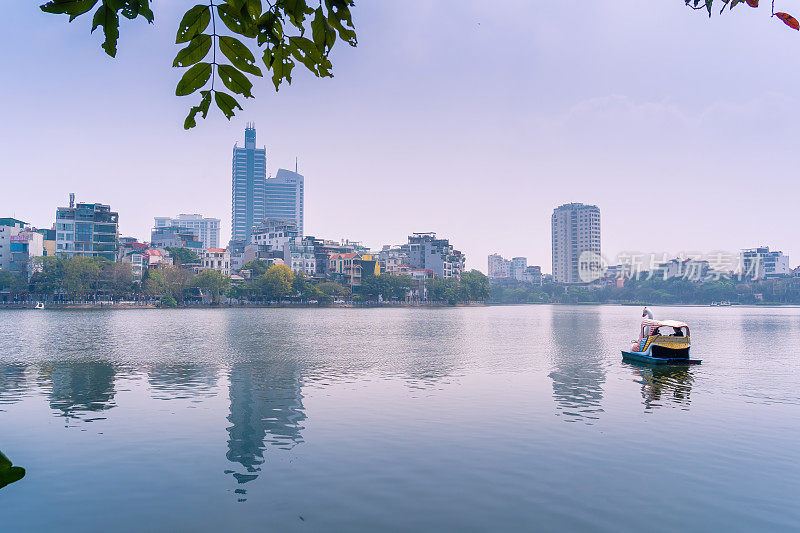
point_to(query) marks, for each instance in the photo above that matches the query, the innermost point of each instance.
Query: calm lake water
(469, 419)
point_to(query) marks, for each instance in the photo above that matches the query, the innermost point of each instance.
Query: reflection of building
(577, 374)
(206, 229)
(13, 383)
(266, 407)
(77, 389)
(576, 230)
(181, 380)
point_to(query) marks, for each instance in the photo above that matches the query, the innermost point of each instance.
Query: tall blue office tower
(248, 191)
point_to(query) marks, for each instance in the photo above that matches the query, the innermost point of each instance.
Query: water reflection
(266, 408)
(9, 473)
(578, 374)
(13, 383)
(181, 381)
(666, 385)
(79, 390)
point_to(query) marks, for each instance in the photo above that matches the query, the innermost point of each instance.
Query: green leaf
(73, 8)
(323, 34)
(297, 11)
(193, 79)
(340, 19)
(235, 80)
(196, 50)
(202, 107)
(305, 51)
(238, 54)
(145, 11)
(194, 22)
(270, 29)
(226, 103)
(237, 22)
(277, 59)
(109, 20)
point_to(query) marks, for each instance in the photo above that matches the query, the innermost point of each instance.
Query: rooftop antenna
(71, 200)
(295, 164)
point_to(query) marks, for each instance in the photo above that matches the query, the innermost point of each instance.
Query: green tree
(334, 290)
(213, 282)
(8, 280)
(182, 256)
(276, 283)
(283, 32)
(476, 285)
(257, 267)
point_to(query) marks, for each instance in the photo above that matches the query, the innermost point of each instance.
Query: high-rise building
(206, 229)
(761, 263)
(87, 229)
(576, 243)
(248, 189)
(285, 194)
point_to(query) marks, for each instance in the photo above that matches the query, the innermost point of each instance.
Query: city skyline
(594, 129)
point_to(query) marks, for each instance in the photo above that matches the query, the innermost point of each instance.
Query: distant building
(217, 259)
(395, 260)
(690, 269)
(576, 243)
(499, 268)
(532, 275)
(427, 252)
(248, 194)
(206, 229)
(351, 268)
(9, 227)
(85, 229)
(275, 233)
(48, 241)
(23, 247)
(516, 269)
(175, 237)
(299, 256)
(285, 196)
(761, 263)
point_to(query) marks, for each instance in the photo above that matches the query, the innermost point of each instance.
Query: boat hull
(642, 357)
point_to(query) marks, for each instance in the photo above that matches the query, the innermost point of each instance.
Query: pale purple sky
(471, 119)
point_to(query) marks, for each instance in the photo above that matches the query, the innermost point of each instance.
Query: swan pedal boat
(665, 342)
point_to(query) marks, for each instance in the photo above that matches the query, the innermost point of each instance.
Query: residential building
(85, 229)
(248, 186)
(576, 243)
(427, 252)
(217, 259)
(691, 269)
(324, 249)
(518, 267)
(532, 274)
(395, 260)
(761, 263)
(350, 268)
(9, 227)
(175, 237)
(48, 241)
(285, 196)
(206, 229)
(299, 256)
(275, 233)
(23, 247)
(499, 268)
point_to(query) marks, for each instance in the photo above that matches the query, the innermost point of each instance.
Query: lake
(468, 419)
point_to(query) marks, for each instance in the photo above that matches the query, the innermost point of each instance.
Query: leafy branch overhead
(708, 5)
(284, 32)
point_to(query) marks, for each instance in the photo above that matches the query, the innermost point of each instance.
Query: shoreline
(129, 305)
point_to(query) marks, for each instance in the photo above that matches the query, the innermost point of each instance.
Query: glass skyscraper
(285, 197)
(248, 191)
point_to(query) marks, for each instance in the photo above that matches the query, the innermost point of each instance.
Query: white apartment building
(217, 259)
(761, 263)
(206, 229)
(576, 243)
(299, 256)
(499, 267)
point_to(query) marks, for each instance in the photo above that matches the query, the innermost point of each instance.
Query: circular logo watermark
(591, 266)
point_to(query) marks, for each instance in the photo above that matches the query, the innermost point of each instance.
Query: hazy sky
(471, 119)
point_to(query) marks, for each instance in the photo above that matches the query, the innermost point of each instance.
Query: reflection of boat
(9, 473)
(663, 385)
(39, 305)
(661, 342)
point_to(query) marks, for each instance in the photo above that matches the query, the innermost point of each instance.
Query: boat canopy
(669, 323)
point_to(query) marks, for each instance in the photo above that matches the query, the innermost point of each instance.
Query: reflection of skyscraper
(578, 374)
(181, 380)
(77, 389)
(12, 383)
(266, 407)
(248, 194)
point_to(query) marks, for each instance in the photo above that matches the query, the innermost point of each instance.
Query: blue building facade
(248, 191)
(285, 197)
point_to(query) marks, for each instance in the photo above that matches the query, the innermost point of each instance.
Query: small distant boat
(664, 342)
(39, 305)
(722, 303)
